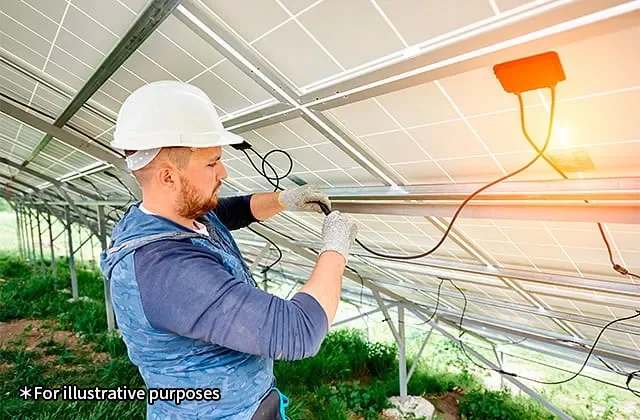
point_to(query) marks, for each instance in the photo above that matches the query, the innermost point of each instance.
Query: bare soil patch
(35, 332)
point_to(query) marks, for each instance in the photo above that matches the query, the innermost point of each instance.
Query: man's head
(173, 138)
(185, 180)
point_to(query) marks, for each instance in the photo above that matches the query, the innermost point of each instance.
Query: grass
(351, 377)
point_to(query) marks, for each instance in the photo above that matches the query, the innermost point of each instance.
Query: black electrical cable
(293, 239)
(264, 270)
(501, 371)
(132, 196)
(83, 179)
(631, 376)
(617, 267)
(540, 153)
(470, 197)
(568, 371)
(435, 310)
(265, 161)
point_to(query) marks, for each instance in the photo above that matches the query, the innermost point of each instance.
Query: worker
(187, 307)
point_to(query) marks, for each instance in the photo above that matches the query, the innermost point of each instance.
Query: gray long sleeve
(186, 290)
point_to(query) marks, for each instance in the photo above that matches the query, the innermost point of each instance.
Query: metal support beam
(418, 355)
(355, 318)
(150, 18)
(212, 30)
(492, 304)
(628, 213)
(562, 355)
(13, 180)
(113, 203)
(72, 140)
(79, 248)
(607, 351)
(547, 26)
(72, 264)
(60, 234)
(600, 189)
(491, 365)
(11, 192)
(78, 212)
(454, 270)
(260, 256)
(36, 74)
(444, 269)
(72, 187)
(534, 29)
(387, 316)
(496, 303)
(107, 286)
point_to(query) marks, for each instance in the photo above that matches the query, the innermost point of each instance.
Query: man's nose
(223, 174)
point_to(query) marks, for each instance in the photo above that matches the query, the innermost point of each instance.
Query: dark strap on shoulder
(151, 238)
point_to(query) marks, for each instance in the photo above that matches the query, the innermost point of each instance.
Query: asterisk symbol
(25, 393)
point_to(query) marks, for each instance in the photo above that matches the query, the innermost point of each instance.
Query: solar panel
(375, 93)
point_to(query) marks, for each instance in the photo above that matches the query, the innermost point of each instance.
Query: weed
(350, 377)
(500, 405)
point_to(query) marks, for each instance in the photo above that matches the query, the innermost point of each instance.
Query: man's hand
(338, 234)
(301, 198)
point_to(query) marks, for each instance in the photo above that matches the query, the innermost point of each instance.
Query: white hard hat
(165, 114)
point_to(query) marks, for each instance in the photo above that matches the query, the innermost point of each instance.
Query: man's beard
(190, 205)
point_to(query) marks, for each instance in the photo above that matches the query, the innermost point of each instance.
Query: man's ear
(167, 177)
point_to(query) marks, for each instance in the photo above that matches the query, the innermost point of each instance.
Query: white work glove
(338, 234)
(300, 199)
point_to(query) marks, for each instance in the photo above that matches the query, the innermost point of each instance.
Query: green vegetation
(350, 378)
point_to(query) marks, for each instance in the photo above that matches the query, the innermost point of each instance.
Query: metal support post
(102, 228)
(387, 316)
(40, 242)
(25, 239)
(53, 256)
(33, 243)
(495, 352)
(415, 362)
(93, 249)
(555, 410)
(502, 366)
(25, 231)
(18, 230)
(72, 264)
(81, 243)
(402, 352)
(260, 256)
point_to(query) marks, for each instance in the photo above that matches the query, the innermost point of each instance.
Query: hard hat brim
(231, 138)
(156, 140)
